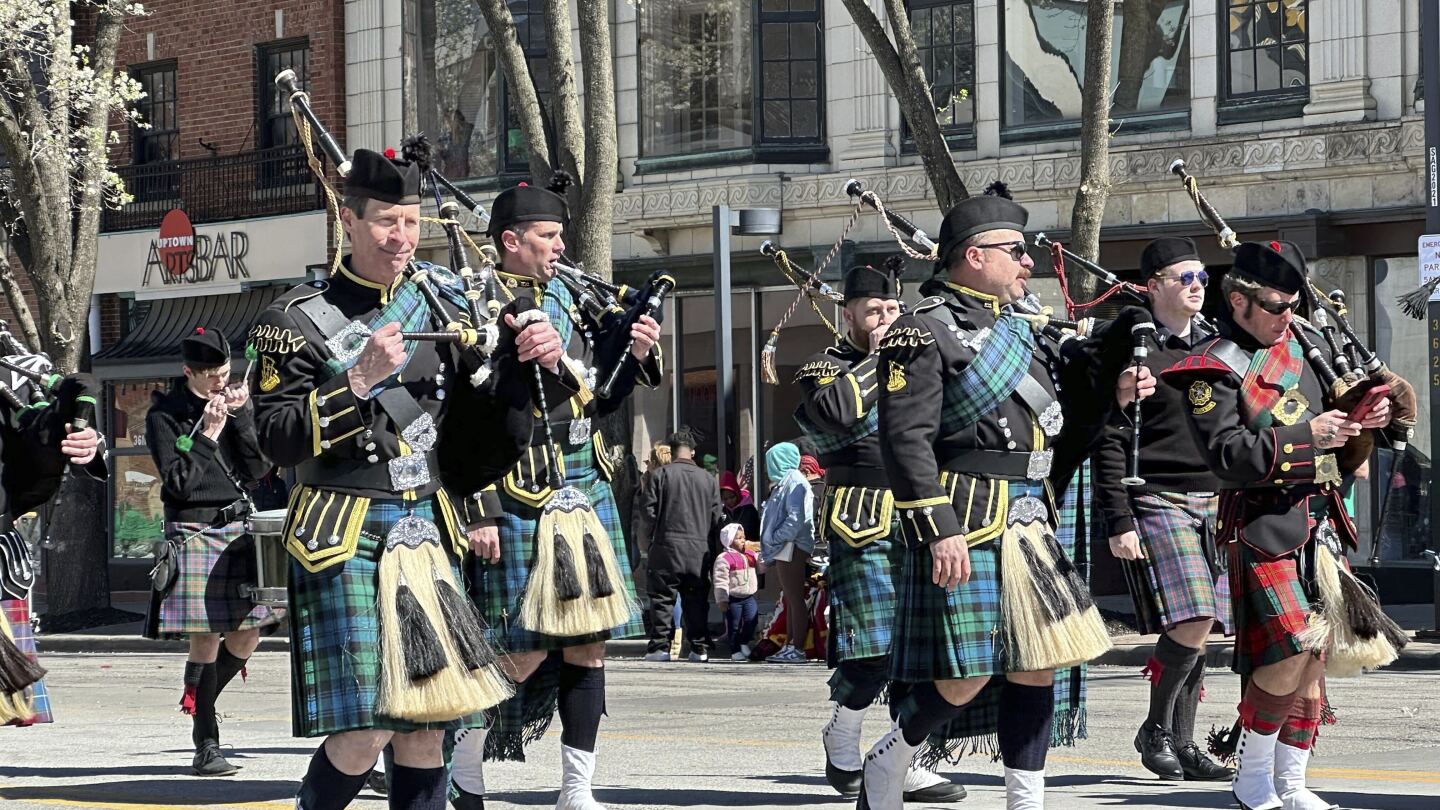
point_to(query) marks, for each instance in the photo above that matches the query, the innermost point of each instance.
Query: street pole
(677, 362)
(1430, 47)
(722, 219)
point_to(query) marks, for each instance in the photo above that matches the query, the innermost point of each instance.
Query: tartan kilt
(215, 563)
(16, 612)
(1271, 606)
(860, 583)
(977, 649)
(335, 659)
(499, 588)
(1186, 578)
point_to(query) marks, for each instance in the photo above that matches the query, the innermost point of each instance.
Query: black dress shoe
(1157, 752)
(942, 792)
(210, 762)
(1200, 768)
(375, 780)
(846, 783)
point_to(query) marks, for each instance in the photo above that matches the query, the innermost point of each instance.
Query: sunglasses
(1189, 277)
(1276, 307)
(1017, 250)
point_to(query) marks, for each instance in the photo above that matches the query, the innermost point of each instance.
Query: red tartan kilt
(1271, 607)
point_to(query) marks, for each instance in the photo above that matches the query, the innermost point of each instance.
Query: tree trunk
(519, 85)
(906, 77)
(25, 322)
(564, 96)
(594, 223)
(1094, 146)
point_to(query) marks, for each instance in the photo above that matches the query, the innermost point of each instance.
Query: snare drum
(272, 561)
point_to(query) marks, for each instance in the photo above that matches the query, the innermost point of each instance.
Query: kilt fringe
(1070, 726)
(941, 751)
(524, 718)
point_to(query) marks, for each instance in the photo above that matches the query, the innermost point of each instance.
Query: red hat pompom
(390, 152)
(521, 184)
(199, 330)
(1275, 246)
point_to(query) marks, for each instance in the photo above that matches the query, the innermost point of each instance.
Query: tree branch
(521, 86)
(1094, 186)
(18, 305)
(564, 94)
(86, 228)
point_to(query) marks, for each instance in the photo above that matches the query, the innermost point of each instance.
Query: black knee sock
(205, 726)
(1182, 723)
(1027, 717)
(898, 691)
(1175, 661)
(227, 666)
(582, 701)
(858, 682)
(924, 711)
(417, 788)
(325, 787)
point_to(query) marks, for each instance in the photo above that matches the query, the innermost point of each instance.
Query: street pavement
(678, 735)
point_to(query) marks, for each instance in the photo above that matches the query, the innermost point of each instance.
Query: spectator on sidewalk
(787, 539)
(736, 582)
(682, 505)
(739, 506)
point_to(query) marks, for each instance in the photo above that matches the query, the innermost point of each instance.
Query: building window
(277, 125)
(944, 33)
(1267, 51)
(160, 141)
(461, 99)
(722, 76)
(1044, 66)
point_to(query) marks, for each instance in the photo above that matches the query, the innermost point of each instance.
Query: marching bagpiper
(839, 414)
(385, 647)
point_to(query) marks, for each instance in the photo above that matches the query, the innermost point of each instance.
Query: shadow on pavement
(193, 791)
(1218, 799)
(671, 797)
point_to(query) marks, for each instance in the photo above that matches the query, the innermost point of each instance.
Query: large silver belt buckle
(1026, 509)
(408, 472)
(420, 434)
(412, 531)
(1038, 468)
(348, 343)
(580, 430)
(1052, 419)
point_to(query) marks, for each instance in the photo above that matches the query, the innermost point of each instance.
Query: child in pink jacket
(736, 582)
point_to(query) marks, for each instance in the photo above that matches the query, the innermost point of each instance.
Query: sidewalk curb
(1416, 658)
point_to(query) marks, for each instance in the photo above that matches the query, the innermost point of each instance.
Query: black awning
(171, 319)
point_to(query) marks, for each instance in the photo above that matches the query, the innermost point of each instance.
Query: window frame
(1264, 105)
(761, 149)
(1176, 120)
(266, 92)
(141, 137)
(958, 137)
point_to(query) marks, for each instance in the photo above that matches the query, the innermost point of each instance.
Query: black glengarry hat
(205, 348)
(867, 282)
(526, 203)
(977, 215)
(1165, 251)
(1276, 264)
(381, 178)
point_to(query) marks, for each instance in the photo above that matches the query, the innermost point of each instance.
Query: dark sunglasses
(1017, 250)
(1276, 307)
(1189, 277)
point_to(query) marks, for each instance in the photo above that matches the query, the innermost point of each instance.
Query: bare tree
(585, 140)
(900, 62)
(57, 99)
(1094, 187)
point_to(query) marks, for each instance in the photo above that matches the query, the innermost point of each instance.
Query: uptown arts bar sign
(216, 258)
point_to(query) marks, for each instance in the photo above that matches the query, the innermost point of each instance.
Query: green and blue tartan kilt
(860, 584)
(499, 590)
(216, 562)
(335, 658)
(16, 613)
(962, 629)
(1188, 579)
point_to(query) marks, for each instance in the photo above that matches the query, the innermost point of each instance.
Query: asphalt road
(678, 735)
